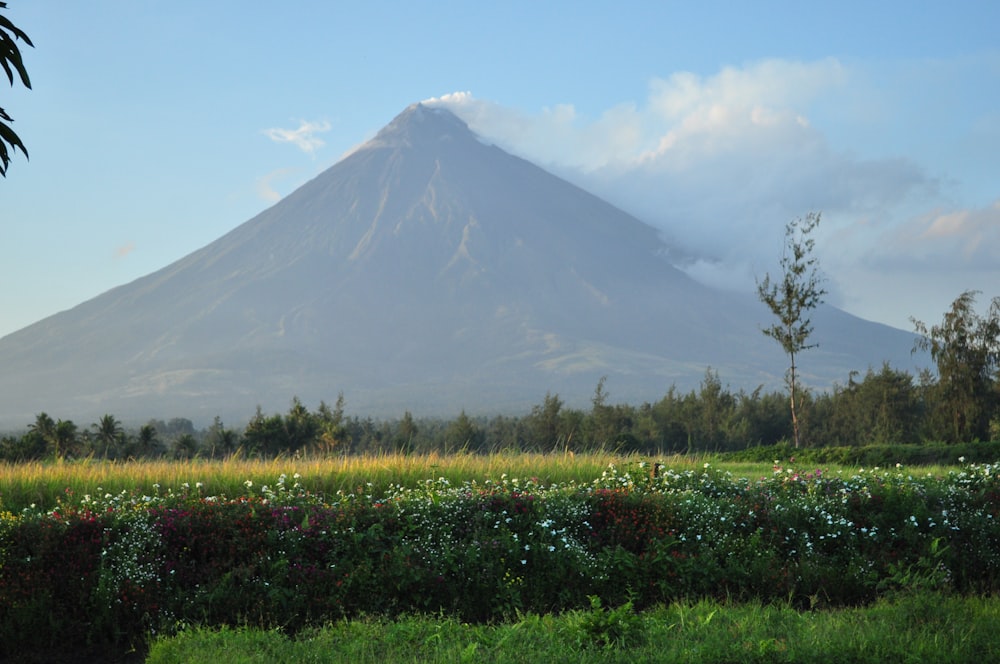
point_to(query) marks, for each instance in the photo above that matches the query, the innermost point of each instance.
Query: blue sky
(155, 127)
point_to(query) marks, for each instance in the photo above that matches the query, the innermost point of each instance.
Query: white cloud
(304, 137)
(721, 163)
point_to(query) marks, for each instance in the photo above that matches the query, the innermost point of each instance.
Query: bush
(106, 573)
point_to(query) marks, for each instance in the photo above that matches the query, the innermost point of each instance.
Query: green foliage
(103, 571)
(547, 429)
(885, 408)
(109, 436)
(12, 63)
(614, 628)
(966, 349)
(919, 627)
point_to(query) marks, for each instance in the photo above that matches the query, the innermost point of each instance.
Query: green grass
(914, 628)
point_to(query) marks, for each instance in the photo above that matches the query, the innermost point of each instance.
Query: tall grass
(45, 483)
(917, 628)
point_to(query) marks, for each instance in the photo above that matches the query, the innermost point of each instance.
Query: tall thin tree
(791, 299)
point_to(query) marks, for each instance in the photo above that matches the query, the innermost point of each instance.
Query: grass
(44, 483)
(912, 628)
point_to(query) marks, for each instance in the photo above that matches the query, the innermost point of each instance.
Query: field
(580, 554)
(45, 483)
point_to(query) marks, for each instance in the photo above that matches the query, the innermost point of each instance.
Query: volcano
(426, 271)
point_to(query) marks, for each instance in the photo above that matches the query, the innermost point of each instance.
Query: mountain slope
(425, 271)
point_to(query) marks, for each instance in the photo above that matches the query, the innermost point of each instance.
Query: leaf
(10, 54)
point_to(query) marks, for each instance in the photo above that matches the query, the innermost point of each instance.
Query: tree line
(883, 406)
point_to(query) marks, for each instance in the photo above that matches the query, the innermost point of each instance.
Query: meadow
(581, 551)
(45, 483)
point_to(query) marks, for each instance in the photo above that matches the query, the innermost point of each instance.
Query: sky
(155, 127)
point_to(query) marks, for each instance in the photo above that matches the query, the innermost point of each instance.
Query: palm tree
(64, 438)
(44, 427)
(227, 441)
(185, 446)
(220, 441)
(147, 440)
(109, 432)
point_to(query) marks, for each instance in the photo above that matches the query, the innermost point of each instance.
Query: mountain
(426, 271)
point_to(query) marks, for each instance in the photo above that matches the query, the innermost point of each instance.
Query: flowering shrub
(107, 571)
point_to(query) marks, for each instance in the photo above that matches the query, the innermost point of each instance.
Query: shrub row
(104, 573)
(868, 456)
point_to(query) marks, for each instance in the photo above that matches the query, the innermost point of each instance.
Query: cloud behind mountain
(720, 163)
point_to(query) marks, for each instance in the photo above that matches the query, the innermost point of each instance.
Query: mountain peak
(426, 271)
(419, 124)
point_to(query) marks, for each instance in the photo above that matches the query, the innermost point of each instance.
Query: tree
(60, 437)
(544, 424)
(45, 428)
(64, 438)
(405, 433)
(603, 429)
(333, 433)
(966, 349)
(109, 432)
(219, 440)
(884, 408)
(185, 446)
(463, 434)
(790, 300)
(147, 442)
(10, 60)
(264, 435)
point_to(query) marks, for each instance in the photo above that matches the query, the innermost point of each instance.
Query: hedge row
(104, 573)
